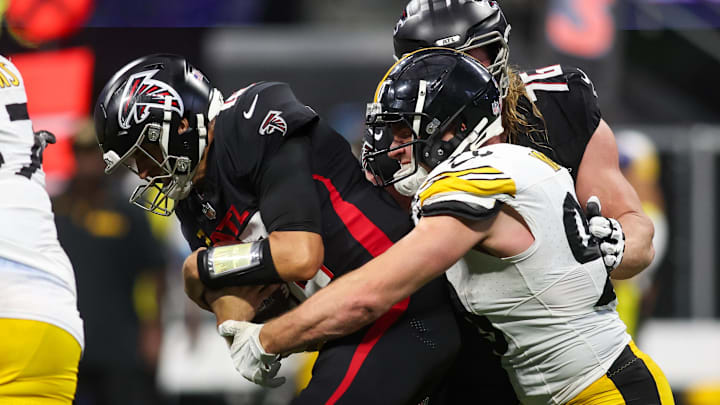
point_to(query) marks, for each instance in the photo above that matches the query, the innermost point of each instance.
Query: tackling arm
(599, 174)
(363, 295)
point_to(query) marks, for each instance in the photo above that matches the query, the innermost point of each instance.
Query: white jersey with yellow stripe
(551, 307)
(42, 286)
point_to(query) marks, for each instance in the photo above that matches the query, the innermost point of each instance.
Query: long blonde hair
(515, 115)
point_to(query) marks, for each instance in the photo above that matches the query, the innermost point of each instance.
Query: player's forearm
(331, 313)
(230, 307)
(639, 251)
(363, 295)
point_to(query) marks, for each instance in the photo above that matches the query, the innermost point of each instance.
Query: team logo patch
(142, 93)
(273, 122)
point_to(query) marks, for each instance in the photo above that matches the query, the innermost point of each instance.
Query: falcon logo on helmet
(141, 93)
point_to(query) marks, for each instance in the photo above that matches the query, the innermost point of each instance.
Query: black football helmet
(457, 24)
(139, 111)
(429, 92)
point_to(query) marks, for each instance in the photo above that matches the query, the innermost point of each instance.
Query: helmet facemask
(429, 95)
(382, 127)
(428, 149)
(499, 66)
(174, 181)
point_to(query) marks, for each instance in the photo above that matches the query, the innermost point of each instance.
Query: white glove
(248, 355)
(609, 234)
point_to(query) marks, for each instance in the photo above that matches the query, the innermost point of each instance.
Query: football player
(263, 171)
(40, 328)
(552, 109)
(528, 272)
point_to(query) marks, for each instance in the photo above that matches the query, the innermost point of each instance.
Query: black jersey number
(35, 160)
(36, 157)
(481, 324)
(487, 331)
(584, 247)
(18, 112)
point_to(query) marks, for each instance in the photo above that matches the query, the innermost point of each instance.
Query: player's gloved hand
(609, 233)
(44, 138)
(248, 355)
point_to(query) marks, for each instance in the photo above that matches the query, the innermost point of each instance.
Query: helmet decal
(141, 93)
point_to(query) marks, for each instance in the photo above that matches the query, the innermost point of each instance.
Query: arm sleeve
(288, 197)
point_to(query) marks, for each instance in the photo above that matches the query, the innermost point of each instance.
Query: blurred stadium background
(654, 63)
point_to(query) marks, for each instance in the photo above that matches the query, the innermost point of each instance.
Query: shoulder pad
(467, 185)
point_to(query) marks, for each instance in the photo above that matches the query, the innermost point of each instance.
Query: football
(275, 305)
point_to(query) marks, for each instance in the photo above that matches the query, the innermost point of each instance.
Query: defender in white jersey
(40, 327)
(504, 222)
(556, 331)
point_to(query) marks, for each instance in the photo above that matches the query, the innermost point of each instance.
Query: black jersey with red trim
(570, 112)
(358, 221)
(247, 173)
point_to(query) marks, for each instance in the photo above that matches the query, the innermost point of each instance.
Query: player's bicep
(599, 174)
(288, 199)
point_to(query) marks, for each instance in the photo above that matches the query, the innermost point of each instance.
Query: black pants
(399, 359)
(477, 373)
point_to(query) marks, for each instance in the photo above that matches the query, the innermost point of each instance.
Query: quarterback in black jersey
(267, 193)
(555, 111)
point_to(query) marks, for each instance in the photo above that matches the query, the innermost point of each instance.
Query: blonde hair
(515, 115)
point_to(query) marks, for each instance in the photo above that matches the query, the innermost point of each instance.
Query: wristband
(237, 264)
